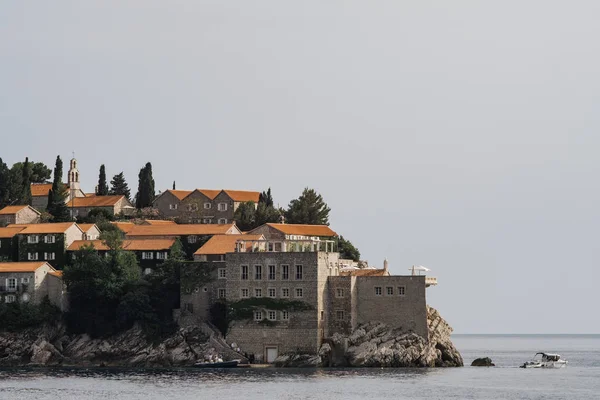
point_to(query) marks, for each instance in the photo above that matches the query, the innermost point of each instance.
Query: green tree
(309, 208)
(347, 250)
(146, 194)
(5, 184)
(245, 216)
(119, 186)
(266, 214)
(266, 198)
(173, 185)
(38, 172)
(58, 195)
(26, 183)
(102, 186)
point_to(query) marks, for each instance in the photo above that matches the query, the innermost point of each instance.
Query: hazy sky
(460, 135)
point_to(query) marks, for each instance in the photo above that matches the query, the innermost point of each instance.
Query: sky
(462, 136)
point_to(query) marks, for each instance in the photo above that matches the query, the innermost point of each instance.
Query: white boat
(545, 360)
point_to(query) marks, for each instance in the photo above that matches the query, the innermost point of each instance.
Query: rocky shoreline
(370, 345)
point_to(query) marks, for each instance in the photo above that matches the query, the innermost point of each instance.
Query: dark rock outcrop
(483, 362)
(50, 346)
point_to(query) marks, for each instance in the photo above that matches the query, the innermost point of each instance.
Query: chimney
(385, 265)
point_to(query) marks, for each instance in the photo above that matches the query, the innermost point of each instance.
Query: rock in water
(376, 345)
(483, 362)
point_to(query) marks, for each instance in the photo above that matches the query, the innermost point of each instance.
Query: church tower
(73, 177)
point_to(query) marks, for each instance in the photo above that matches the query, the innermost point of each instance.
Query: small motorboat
(218, 364)
(545, 360)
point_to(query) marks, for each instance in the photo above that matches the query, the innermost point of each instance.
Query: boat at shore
(545, 360)
(219, 364)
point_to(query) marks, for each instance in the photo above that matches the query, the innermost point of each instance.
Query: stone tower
(73, 176)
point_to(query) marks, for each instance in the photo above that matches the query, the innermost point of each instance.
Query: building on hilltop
(19, 215)
(39, 191)
(203, 206)
(80, 207)
(30, 282)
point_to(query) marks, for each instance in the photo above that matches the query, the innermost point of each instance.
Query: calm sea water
(580, 380)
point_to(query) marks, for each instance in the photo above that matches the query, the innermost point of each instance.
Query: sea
(579, 380)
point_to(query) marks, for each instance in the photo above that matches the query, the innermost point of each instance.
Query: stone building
(31, 282)
(9, 243)
(39, 191)
(80, 207)
(149, 252)
(203, 206)
(90, 231)
(19, 215)
(47, 242)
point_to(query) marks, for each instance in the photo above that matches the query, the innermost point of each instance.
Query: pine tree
(26, 183)
(119, 186)
(102, 186)
(58, 194)
(5, 183)
(145, 195)
(309, 208)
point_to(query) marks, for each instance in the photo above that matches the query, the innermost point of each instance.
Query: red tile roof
(96, 201)
(11, 231)
(124, 226)
(60, 227)
(40, 189)
(87, 227)
(243, 195)
(157, 222)
(222, 244)
(304, 230)
(22, 266)
(9, 210)
(235, 195)
(182, 229)
(180, 194)
(131, 245)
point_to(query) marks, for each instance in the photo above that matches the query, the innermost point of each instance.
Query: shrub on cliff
(17, 316)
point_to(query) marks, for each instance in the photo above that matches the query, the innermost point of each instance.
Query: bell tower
(73, 176)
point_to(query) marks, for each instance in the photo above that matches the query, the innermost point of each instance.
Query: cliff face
(51, 346)
(376, 345)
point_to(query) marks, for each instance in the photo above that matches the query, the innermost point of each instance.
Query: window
(285, 272)
(285, 316)
(401, 290)
(339, 292)
(192, 207)
(322, 315)
(147, 271)
(207, 206)
(272, 292)
(222, 206)
(285, 292)
(33, 239)
(222, 273)
(207, 220)
(192, 239)
(172, 206)
(245, 293)
(389, 291)
(11, 284)
(271, 272)
(11, 298)
(24, 280)
(147, 255)
(161, 255)
(272, 316)
(257, 292)
(244, 272)
(49, 239)
(298, 272)
(32, 256)
(258, 315)
(222, 293)
(377, 290)
(258, 272)
(299, 292)
(339, 315)
(49, 256)
(222, 221)
(189, 307)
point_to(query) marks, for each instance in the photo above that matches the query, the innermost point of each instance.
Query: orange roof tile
(182, 229)
(222, 244)
(57, 274)
(87, 227)
(9, 210)
(158, 222)
(22, 266)
(210, 193)
(365, 272)
(60, 227)
(10, 231)
(96, 201)
(304, 230)
(180, 194)
(131, 245)
(124, 226)
(40, 189)
(243, 195)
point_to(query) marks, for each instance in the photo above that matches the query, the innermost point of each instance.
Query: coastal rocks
(483, 362)
(49, 346)
(376, 345)
(297, 361)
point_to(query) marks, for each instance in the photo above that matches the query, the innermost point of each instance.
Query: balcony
(283, 246)
(430, 281)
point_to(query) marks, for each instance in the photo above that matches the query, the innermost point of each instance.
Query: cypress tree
(26, 183)
(5, 183)
(266, 198)
(58, 194)
(145, 195)
(102, 186)
(173, 185)
(119, 186)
